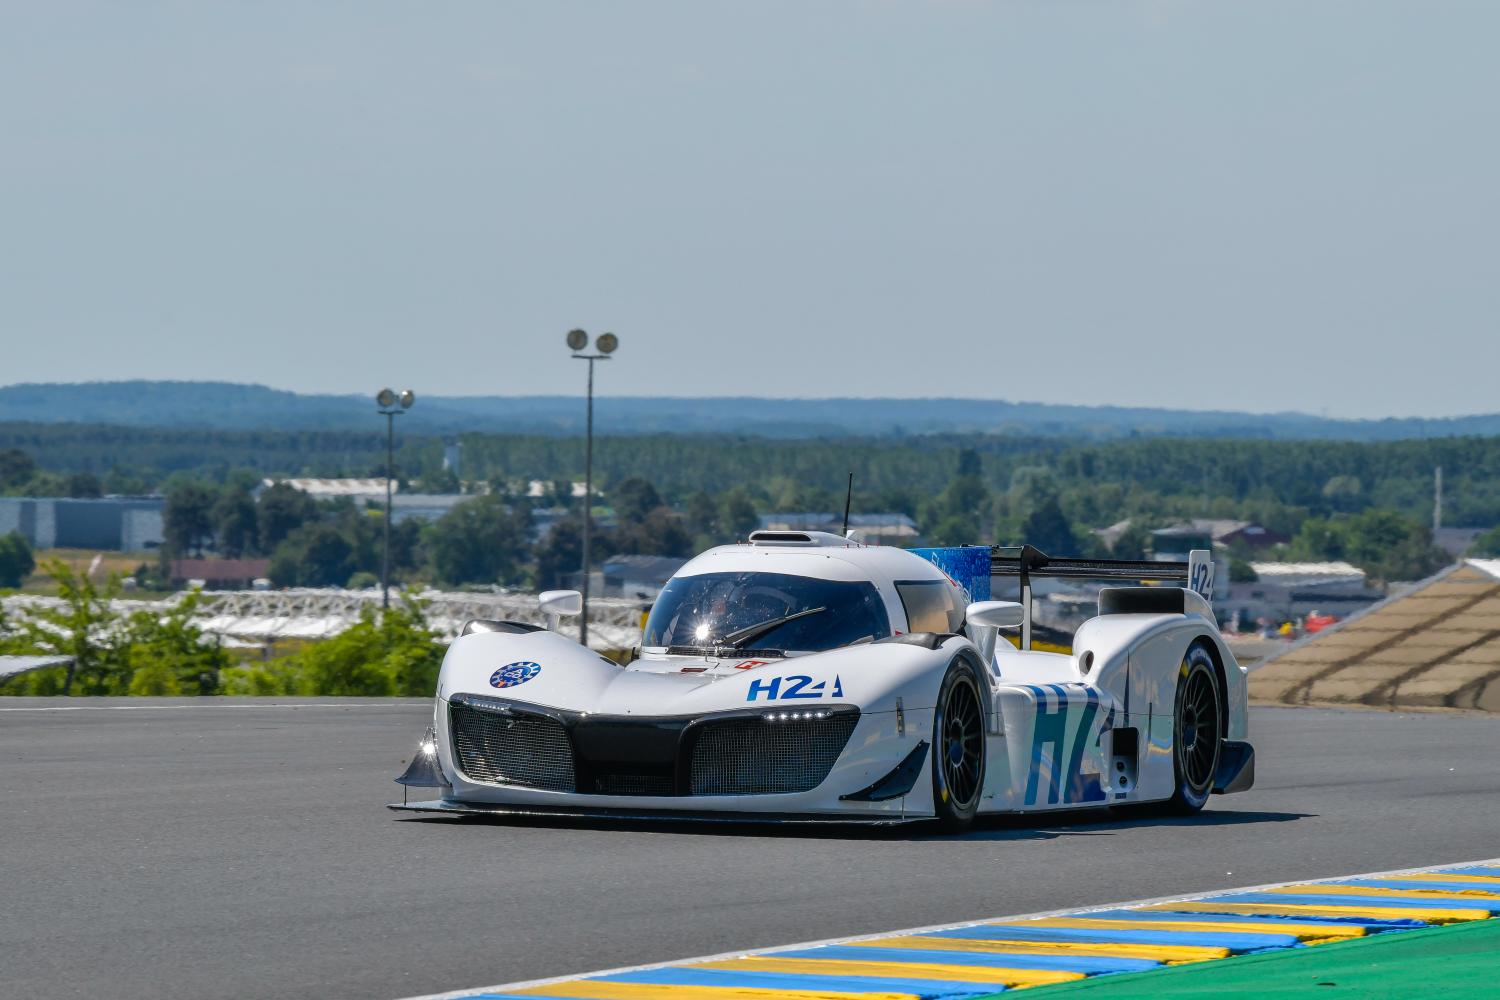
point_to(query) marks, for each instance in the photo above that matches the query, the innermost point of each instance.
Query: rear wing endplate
(1027, 561)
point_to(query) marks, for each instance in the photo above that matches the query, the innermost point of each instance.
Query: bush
(392, 653)
(262, 680)
(16, 562)
(147, 653)
(1487, 545)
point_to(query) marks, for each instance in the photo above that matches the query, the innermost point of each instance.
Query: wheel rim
(1198, 730)
(963, 744)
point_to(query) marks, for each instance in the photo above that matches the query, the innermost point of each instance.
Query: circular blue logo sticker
(515, 673)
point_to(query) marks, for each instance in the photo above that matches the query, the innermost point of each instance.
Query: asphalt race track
(212, 849)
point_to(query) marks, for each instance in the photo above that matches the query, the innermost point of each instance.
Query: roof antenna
(848, 497)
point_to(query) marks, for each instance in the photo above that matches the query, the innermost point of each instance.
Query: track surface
(241, 849)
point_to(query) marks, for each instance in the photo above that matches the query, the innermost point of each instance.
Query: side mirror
(995, 614)
(987, 618)
(556, 603)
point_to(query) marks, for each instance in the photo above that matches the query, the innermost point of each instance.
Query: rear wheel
(1198, 723)
(958, 747)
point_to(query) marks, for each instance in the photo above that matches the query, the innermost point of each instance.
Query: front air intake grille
(511, 747)
(634, 784)
(758, 756)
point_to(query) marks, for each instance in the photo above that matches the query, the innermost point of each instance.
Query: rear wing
(1027, 561)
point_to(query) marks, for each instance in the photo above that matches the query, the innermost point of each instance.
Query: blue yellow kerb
(978, 960)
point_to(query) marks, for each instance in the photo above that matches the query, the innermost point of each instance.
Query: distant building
(536, 489)
(452, 454)
(119, 524)
(1176, 541)
(1288, 591)
(876, 529)
(423, 506)
(638, 576)
(544, 519)
(1322, 575)
(1455, 541)
(332, 489)
(219, 574)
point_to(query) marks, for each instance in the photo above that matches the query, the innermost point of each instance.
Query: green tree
(954, 529)
(315, 555)
(661, 532)
(125, 482)
(1048, 529)
(561, 553)
(83, 484)
(85, 629)
(169, 655)
(702, 517)
(45, 484)
(1383, 543)
(439, 480)
(1487, 545)
(1343, 493)
(16, 561)
(737, 516)
(187, 521)
(382, 654)
(955, 513)
(280, 511)
(633, 499)
(16, 468)
(482, 540)
(234, 523)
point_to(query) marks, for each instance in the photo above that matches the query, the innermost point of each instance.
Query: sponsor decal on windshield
(515, 673)
(795, 686)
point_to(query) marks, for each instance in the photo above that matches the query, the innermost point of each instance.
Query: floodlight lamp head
(577, 340)
(607, 343)
(385, 399)
(407, 398)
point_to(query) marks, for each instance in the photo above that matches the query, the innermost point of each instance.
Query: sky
(1260, 206)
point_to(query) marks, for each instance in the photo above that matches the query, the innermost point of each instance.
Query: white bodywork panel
(1051, 732)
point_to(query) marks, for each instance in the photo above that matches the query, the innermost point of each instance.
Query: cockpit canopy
(764, 611)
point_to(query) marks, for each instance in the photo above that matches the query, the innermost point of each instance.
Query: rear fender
(1136, 658)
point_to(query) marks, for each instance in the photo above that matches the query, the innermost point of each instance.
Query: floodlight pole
(588, 495)
(389, 405)
(385, 555)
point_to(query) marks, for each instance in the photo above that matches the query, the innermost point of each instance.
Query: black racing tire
(1197, 731)
(958, 747)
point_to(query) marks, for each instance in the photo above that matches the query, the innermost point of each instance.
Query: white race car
(803, 676)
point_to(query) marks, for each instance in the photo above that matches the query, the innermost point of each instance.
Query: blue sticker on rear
(514, 673)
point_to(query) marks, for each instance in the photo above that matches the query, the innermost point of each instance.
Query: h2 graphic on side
(795, 686)
(1201, 573)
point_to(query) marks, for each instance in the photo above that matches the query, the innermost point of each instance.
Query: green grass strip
(1460, 960)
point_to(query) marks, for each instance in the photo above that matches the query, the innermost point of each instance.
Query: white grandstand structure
(257, 617)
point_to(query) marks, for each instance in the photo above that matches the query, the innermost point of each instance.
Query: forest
(1369, 503)
(1276, 482)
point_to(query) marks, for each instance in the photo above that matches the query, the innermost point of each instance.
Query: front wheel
(1198, 723)
(958, 747)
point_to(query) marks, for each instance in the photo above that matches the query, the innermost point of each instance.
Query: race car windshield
(765, 611)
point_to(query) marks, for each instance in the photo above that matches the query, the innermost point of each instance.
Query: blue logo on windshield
(515, 673)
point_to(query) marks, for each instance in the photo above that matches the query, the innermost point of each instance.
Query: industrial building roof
(329, 488)
(1304, 572)
(1436, 644)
